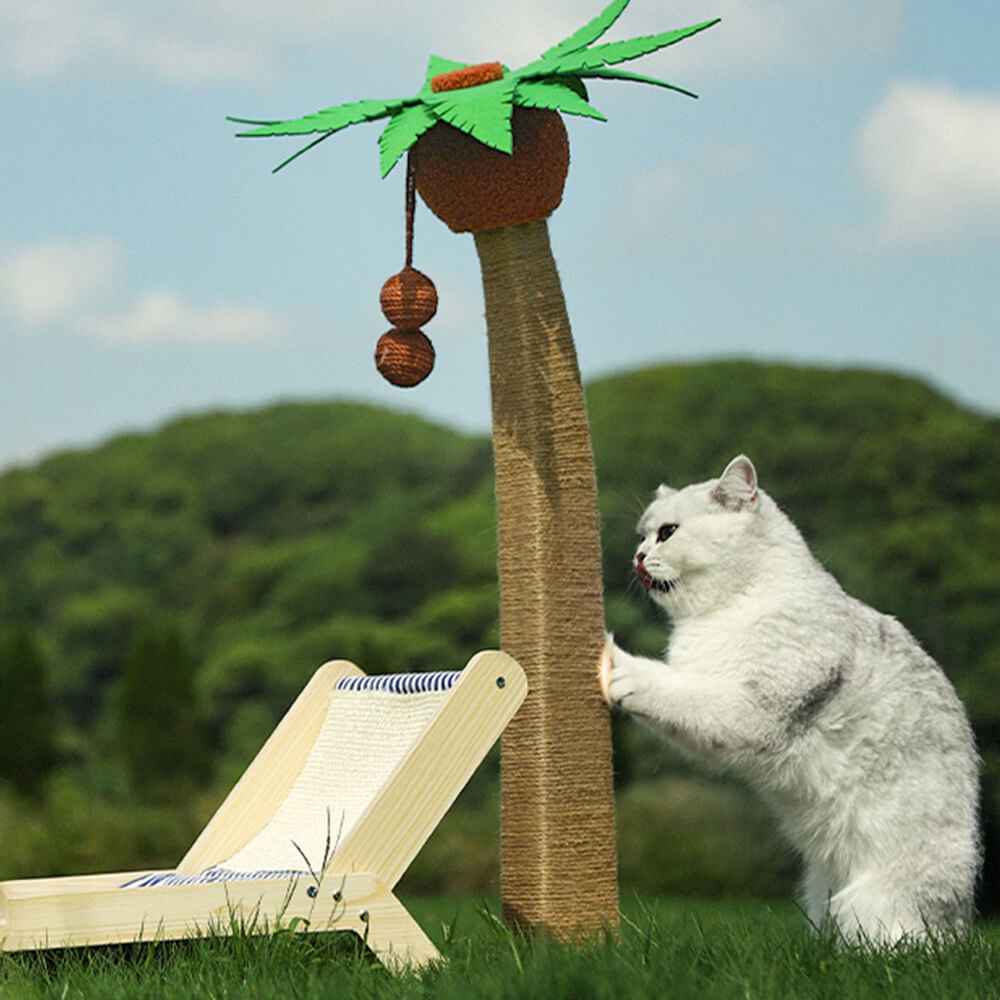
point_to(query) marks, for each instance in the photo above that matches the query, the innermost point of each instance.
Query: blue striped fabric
(439, 680)
(209, 875)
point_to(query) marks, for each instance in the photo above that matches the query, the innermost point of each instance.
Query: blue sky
(833, 197)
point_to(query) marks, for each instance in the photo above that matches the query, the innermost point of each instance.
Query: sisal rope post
(558, 859)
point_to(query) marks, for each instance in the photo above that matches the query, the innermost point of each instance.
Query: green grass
(675, 949)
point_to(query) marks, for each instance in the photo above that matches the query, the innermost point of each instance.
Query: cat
(828, 709)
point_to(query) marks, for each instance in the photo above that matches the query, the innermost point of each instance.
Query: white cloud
(161, 316)
(932, 154)
(72, 284)
(55, 38)
(186, 60)
(50, 280)
(188, 41)
(43, 39)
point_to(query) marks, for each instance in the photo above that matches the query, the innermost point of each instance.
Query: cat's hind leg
(875, 909)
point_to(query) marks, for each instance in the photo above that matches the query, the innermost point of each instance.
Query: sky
(832, 198)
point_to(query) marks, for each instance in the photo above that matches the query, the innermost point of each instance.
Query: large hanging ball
(409, 299)
(404, 357)
(472, 187)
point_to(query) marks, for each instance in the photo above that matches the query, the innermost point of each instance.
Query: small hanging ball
(409, 299)
(404, 357)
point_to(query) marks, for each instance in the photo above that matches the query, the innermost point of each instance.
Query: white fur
(829, 709)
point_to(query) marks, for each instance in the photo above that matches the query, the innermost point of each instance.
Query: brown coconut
(472, 187)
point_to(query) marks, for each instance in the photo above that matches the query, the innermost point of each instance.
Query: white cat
(829, 709)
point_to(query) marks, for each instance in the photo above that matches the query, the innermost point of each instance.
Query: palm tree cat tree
(489, 154)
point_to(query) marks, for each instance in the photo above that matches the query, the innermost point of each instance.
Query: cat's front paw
(620, 678)
(606, 668)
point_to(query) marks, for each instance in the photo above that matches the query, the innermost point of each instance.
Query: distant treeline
(163, 597)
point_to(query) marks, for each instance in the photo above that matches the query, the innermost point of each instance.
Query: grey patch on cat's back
(812, 703)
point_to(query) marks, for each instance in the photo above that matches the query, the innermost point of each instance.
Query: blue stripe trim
(439, 680)
(209, 875)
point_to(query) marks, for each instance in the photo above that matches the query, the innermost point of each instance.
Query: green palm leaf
(554, 95)
(588, 34)
(483, 112)
(554, 82)
(401, 132)
(608, 73)
(616, 52)
(329, 120)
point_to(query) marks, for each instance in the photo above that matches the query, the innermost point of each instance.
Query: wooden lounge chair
(316, 833)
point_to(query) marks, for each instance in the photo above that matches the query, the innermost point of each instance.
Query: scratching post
(558, 864)
(490, 156)
(558, 859)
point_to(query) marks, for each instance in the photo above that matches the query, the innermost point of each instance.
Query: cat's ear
(663, 491)
(737, 486)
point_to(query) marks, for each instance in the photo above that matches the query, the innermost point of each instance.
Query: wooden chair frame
(354, 892)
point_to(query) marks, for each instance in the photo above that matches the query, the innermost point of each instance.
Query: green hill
(273, 538)
(270, 541)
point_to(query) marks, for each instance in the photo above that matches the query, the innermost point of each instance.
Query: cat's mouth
(650, 582)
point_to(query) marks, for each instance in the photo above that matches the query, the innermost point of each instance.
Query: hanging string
(411, 202)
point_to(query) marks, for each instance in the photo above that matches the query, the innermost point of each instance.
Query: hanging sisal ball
(409, 299)
(404, 357)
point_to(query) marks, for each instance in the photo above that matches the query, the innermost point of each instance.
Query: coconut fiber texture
(472, 187)
(558, 861)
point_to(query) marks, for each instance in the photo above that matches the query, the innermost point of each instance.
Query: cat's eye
(666, 530)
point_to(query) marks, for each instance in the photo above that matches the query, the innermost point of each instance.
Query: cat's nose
(640, 556)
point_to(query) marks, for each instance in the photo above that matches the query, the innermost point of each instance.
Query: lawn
(666, 948)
